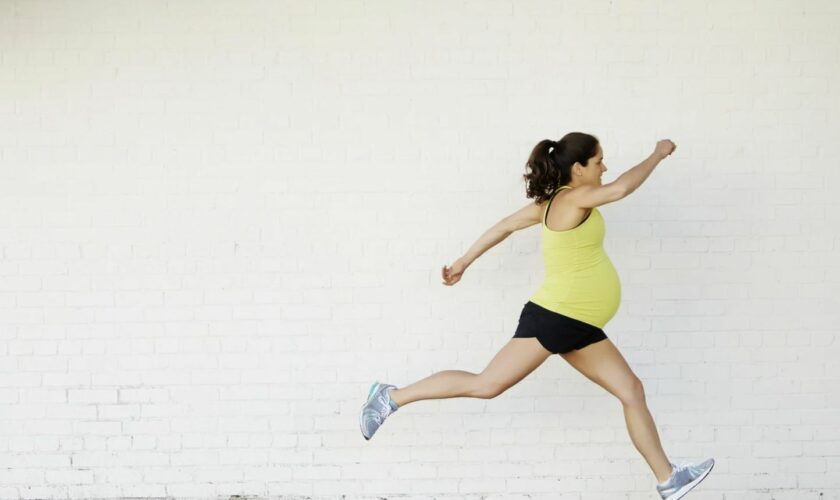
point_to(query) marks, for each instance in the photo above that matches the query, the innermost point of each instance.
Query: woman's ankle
(670, 471)
(394, 395)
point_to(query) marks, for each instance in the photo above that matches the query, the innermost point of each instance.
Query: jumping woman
(581, 292)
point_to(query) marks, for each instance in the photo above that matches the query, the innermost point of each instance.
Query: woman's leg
(518, 358)
(603, 364)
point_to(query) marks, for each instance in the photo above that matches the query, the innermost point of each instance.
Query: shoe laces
(384, 409)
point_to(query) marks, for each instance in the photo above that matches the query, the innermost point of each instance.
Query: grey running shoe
(376, 409)
(683, 478)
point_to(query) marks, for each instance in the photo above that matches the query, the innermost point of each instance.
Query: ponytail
(550, 163)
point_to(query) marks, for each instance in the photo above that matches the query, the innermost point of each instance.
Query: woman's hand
(664, 148)
(452, 275)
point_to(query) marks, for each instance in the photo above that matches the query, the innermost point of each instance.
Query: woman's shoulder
(563, 216)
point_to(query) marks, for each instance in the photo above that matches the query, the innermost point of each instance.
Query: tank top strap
(545, 215)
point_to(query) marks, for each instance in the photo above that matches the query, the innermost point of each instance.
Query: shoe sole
(373, 388)
(685, 489)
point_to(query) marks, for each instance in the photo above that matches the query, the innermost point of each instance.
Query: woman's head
(574, 160)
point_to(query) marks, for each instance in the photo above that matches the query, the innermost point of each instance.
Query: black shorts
(556, 332)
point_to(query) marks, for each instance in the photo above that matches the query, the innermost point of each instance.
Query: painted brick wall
(221, 221)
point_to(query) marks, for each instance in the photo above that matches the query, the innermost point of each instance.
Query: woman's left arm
(522, 218)
(526, 216)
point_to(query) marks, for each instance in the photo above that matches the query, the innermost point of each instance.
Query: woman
(581, 292)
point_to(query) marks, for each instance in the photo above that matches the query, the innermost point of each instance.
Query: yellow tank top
(580, 280)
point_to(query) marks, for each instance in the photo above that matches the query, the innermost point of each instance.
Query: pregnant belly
(592, 295)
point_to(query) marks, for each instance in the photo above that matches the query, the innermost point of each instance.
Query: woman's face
(595, 169)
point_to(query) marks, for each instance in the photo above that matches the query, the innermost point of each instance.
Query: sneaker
(376, 409)
(683, 478)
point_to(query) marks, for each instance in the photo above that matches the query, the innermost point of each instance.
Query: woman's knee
(486, 388)
(632, 393)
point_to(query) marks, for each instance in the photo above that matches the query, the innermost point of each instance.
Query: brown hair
(550, 163)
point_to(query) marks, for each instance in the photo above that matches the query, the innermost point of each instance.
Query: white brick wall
(221, 221)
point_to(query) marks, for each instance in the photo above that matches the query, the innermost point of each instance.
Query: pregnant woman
(580, 294)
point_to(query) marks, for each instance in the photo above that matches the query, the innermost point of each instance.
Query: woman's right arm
(634, 177)
(595, 196)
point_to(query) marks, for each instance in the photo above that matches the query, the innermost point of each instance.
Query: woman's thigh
(518, 358)
(603, 364)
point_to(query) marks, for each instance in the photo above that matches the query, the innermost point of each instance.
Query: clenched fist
(664, 148)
